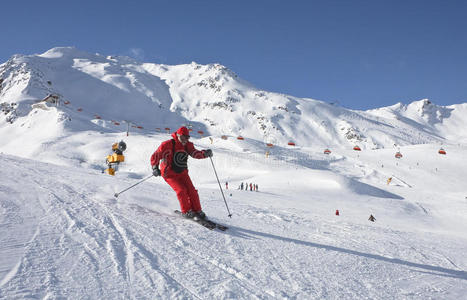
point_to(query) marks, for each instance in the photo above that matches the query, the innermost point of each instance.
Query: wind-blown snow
(64, 235)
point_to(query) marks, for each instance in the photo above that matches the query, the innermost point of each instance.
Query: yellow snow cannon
(114, 159)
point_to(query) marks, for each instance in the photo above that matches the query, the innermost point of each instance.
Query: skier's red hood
(175, 137)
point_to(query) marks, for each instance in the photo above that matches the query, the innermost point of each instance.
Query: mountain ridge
(211, 99)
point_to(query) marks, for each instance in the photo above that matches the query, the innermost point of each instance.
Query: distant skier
(241, 186)
(371, 218)
(256, 187)
(251, 187)
(226, 185)
(173, 156)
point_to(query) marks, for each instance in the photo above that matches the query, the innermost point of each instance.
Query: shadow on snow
(250, 234)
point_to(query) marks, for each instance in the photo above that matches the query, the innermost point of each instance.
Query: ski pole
(116, 194)
(230, 215)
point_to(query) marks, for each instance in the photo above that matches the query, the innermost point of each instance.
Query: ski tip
(116, 195)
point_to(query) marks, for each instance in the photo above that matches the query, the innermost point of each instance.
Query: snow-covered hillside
(63, 234)
(97, 92)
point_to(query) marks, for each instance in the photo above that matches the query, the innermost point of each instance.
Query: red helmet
(183, 131)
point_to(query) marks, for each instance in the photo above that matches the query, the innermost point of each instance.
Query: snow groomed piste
(69, 231)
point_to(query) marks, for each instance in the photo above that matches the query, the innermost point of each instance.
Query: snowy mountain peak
(60, 52)
(210, 98)
(424, 112)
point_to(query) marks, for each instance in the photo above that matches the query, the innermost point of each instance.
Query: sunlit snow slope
(63, 234)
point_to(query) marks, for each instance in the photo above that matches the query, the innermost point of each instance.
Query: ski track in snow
(73, 238)
(63, 235)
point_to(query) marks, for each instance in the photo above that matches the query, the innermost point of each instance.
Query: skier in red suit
(170, 161)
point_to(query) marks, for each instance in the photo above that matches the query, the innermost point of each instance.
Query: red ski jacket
(164, 156)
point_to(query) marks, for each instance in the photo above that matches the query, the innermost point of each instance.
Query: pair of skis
(206, 223)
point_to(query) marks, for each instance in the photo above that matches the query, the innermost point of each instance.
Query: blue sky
(361, 54)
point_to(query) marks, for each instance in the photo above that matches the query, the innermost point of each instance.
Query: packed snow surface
(63, 234)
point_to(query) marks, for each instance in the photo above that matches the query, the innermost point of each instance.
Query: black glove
(208, 153)
(155, 171)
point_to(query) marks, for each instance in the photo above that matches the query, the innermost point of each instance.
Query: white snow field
(63, 234)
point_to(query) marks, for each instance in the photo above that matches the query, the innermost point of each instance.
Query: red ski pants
(186, 193)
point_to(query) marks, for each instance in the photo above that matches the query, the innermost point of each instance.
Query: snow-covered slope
(95, 90)
(64, 235)
(446, 122)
